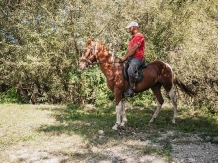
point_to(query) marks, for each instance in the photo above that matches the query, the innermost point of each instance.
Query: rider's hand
(123, 59)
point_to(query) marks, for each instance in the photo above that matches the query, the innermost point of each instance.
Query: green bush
(11, 96)
(41, 44)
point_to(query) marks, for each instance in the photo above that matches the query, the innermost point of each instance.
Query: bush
(11, 96)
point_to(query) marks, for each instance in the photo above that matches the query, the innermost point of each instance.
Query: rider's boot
(129, 92)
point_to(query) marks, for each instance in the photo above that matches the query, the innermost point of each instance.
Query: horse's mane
(113, 58)
(111, 54)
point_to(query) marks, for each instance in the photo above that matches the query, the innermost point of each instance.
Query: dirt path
(185, 149)
(33, 134)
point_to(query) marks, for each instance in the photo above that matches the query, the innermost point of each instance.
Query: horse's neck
(108, 61)
(110, 66)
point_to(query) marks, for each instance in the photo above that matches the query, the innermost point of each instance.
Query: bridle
(90, 54)
(93, 53)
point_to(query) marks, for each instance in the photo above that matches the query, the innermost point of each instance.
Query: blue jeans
(134, 64)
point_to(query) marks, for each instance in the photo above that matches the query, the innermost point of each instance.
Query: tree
(41, 42)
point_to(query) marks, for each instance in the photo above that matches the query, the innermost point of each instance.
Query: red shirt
(140, 41)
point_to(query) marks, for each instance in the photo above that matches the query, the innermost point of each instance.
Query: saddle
(138, 74)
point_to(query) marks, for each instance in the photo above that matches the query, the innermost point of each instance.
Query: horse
(157, 74)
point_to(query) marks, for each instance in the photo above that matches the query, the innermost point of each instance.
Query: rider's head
(132, 27)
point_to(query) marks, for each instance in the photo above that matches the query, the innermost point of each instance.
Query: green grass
(66, 127)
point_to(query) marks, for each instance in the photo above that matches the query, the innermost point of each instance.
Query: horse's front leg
(123, 112)
(118, 112)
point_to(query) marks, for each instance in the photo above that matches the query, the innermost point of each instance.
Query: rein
(103, 63)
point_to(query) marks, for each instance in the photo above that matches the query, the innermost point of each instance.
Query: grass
(63, 130)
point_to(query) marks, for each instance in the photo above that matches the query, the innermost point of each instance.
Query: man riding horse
(157, 74)
(134, 55)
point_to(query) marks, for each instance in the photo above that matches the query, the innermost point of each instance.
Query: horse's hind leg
(174, 102)
(157, 93)
(156, 112)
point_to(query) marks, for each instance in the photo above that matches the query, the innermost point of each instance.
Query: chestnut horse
(156, 75)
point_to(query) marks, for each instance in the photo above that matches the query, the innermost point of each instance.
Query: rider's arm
(130, 52)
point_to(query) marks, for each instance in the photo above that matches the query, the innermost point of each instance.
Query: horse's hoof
(122, 128)
(174, 121)
(114, 127)
(123, 124)
(151, 121)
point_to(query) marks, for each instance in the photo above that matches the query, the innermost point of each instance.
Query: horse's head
(89, 54)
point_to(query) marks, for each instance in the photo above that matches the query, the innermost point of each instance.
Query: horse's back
(155, 66)
(158, 70)
(156, 63)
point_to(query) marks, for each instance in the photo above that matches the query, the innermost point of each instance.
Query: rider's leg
(133, 68)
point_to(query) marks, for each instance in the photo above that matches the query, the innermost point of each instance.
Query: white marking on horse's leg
(174, 102)
(123, 112)
(173, 97)
(156, 112)
(118, 111)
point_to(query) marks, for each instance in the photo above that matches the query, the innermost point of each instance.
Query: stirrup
(128, 93)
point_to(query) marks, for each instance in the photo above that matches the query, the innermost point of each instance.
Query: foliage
(41, 43)
(11, 96)
(143, 99)
(103, 95)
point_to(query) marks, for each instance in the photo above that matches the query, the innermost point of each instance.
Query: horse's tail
(183, 87)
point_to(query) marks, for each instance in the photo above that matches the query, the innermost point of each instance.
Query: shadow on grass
(88, 121)
(81, 120)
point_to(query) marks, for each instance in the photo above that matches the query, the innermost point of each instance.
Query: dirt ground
(185, 149)
(23, 139)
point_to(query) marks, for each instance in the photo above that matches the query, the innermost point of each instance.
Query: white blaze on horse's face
(82, 65)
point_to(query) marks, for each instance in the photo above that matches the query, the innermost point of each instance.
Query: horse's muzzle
(82, 65)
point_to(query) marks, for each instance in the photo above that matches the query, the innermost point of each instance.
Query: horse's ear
(89, 41)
